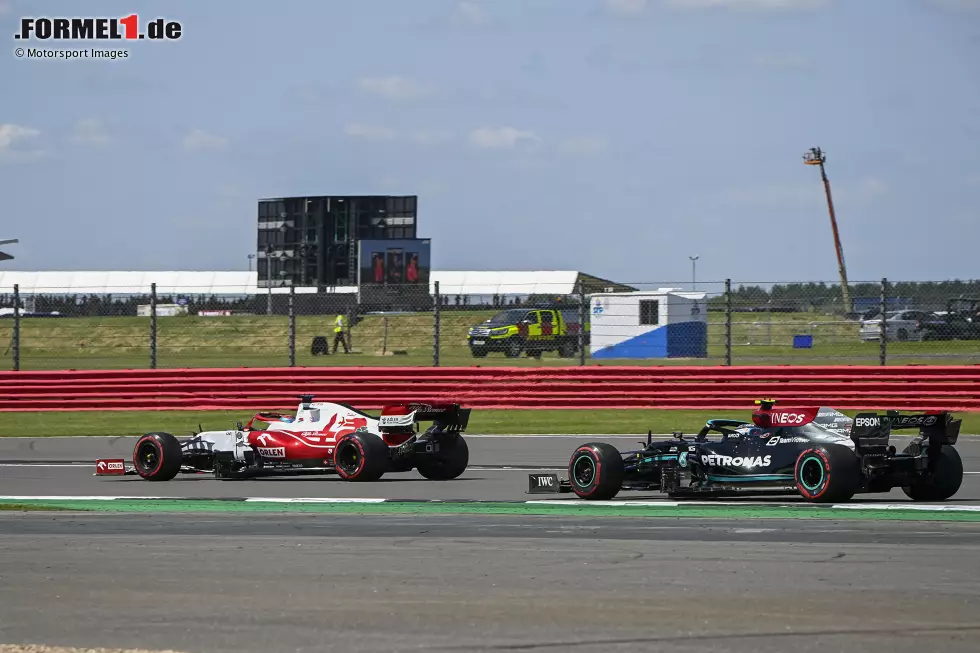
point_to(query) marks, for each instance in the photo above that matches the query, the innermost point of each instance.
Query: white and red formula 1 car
(322, 437)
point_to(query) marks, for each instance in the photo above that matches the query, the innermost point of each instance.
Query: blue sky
(615, 137)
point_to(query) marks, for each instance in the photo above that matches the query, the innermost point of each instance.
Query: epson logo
(272, 452)
(788, 418)
(867, 421)
(715, 460)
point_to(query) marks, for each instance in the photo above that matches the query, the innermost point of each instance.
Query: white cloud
(468, 14)
(199, 139)
(625, 7)
(746, 4)
(501, 137)
(583, 145)
(393, 87)
(16, 143)
(90, 131)
(12, 134)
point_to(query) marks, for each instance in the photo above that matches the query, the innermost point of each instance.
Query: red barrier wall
(717, 388)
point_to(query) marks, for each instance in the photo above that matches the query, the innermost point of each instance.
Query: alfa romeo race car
(322, 437)
(817, 453)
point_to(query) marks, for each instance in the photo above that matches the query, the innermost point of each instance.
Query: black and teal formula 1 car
(817, 453)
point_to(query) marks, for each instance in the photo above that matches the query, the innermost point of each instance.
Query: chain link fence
(680, 323)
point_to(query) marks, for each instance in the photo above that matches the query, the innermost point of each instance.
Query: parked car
(900, 325)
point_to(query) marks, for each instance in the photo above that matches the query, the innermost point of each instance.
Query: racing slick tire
(829, 474)
(944, 481)
(157, 456)
(595, 471)
(360, 457)
(449, 463)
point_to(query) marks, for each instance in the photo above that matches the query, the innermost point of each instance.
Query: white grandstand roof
(451, 282)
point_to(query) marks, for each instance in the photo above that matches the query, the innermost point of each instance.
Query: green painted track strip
(495, 508)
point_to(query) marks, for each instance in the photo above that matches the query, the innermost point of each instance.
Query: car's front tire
(157, 456)
(828, 474)
(595, 471)
(945, 480)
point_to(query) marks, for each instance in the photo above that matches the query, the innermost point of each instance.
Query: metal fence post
(15, 343)
(153, 326)
(435, 326)
(292, 327)
(883, 332)
(582, 314)
(728, 322)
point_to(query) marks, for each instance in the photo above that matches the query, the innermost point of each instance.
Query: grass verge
(609, 509)
(123, 342)
(502, 422)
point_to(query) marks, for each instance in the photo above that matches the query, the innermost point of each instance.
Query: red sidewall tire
(342, 444)
(145, 441)
(605, 478)
(808, 460)
(371, 457)
(828, 474)
(167, 451)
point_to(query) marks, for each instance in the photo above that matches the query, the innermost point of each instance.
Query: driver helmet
(750, 431)
(286, 418)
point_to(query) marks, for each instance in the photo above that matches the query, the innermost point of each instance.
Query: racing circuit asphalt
(498, 471)
(251, 582)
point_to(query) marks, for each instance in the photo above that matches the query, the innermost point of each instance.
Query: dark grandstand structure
(319, 241)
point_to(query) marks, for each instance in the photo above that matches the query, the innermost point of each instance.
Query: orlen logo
(272, 452)
(97, 29)
(867, 421)
(788, 418)
(115, 467)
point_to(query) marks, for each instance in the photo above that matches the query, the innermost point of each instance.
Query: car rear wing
(403, 417)
(870, 431)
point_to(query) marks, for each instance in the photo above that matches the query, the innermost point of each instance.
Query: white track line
(558, 502)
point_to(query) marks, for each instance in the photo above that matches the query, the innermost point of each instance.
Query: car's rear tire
(945, 480)
(449, 463)
(828, 474)
(595, 471)
(157, 456)
(360, 457)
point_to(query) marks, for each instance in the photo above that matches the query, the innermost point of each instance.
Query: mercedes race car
(817, 453)
(322, 437)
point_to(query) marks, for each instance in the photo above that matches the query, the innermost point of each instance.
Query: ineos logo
(788, 418)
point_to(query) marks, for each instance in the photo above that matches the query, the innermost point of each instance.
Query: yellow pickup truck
(527, 330)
